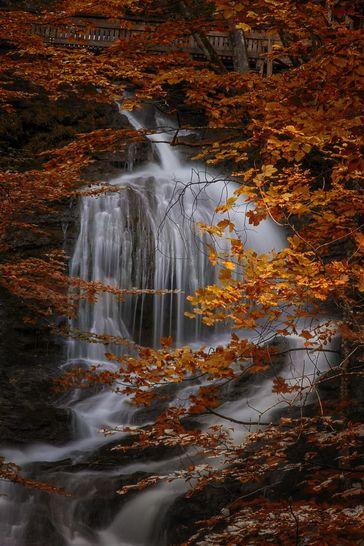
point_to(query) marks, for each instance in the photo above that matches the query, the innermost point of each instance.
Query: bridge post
(269, 60)
(240, 54)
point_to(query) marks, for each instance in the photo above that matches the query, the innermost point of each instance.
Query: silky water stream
(143, 236)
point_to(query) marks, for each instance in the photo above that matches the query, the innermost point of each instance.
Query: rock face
(41, 124)
(28, 362)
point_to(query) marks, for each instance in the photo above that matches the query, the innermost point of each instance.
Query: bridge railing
(103, 35)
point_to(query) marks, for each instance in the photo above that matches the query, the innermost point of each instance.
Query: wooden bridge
(98, 34)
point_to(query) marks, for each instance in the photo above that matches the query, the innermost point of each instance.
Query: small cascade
(143, 235)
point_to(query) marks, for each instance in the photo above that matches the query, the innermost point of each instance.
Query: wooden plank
(100, 33)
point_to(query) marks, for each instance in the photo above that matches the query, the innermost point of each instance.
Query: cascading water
(145, 236)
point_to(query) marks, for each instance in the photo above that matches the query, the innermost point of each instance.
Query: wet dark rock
(98, 510)
(28, 360)
(112, 457)
(329, 389)
(107, 458)
(93, 503)
(181, 519)
(41, 124)
(34, 422)
(40, 530)
(109, 165)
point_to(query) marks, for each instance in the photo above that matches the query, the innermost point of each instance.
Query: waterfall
(143, 235)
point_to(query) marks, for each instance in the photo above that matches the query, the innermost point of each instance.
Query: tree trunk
(202, 40)
(240, 53)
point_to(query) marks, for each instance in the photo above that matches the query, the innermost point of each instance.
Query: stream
(143, 236)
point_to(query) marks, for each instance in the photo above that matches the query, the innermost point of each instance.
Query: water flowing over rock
(143, 236)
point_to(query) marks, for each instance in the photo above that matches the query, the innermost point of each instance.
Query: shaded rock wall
(29, 356)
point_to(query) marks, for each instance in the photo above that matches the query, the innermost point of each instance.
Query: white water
(143, 236)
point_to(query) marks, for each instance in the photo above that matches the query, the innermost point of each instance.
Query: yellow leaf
(229, 265)
(244, 27)
(228, 205)
(223, 224)
(268, 170)
(212, 256)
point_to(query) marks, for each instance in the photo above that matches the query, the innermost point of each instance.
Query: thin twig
(246, 423)
(296, 522)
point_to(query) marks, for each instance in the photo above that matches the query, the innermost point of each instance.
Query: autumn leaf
(166, 341)
(243, 26)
